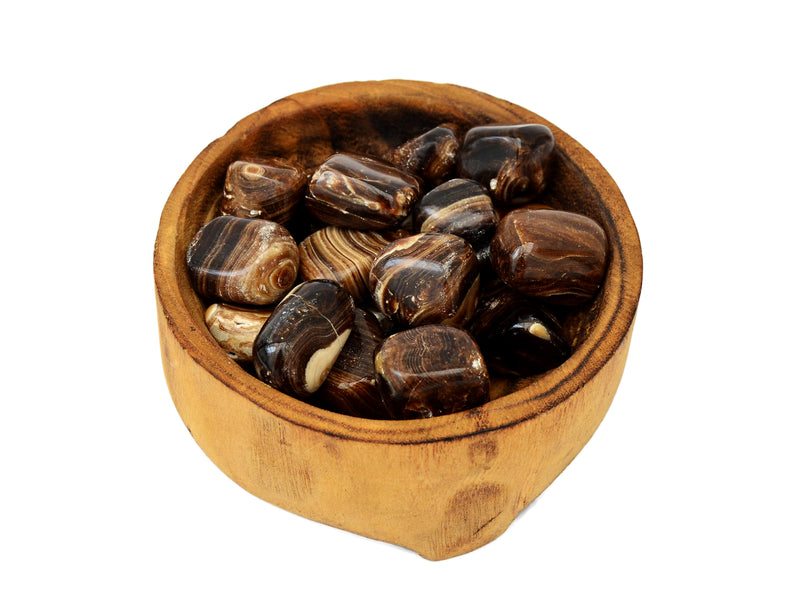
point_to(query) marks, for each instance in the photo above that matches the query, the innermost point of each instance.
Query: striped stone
(344, 256)
(242, 261)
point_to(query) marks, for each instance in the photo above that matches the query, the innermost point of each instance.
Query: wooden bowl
(441, 486)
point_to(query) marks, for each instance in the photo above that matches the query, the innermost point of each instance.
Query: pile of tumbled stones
(412, 288)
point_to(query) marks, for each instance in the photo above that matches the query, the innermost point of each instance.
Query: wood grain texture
(442, 486)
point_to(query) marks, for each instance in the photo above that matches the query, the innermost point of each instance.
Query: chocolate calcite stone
(351, 387)
(270, 189)
(301, 340)
(510, 160)
(551, 255)
(360, 193)
(461, 207)
(344, 256)
(242, 261)
(430, 156)
(426, 278)
(516, 336)
(429, 371)
(235, 328)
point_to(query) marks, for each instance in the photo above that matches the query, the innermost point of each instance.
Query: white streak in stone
(320, 363)
(539, 331)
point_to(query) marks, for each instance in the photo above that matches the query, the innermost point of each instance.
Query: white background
(690, 486)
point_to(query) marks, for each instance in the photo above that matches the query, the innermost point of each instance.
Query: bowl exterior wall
(441, 499)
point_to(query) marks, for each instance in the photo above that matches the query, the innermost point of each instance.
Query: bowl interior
(369, 119)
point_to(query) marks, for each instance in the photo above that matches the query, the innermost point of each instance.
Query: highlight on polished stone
(430, 371)
(270, 188)
(360, 193)
(552, 255)
(510, 160)
(235, 328)
(430, 156)
(458, 206)
(517, 336)
(301, 340)
(351, 387)
(344, 256)
(426, 278)
(242, 261)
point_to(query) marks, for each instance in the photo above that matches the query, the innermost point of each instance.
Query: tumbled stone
(242, 261)
(516, 336)
(510, 160)
(235, 328)
(426, 278)
(461, 207)
(430, 371)
(360, 193)
(552, 255)
(301, 340)
(430, 156)
(350, 387)
(344, 256)
(270, 189)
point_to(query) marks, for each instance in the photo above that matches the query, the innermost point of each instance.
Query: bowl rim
(613, 323)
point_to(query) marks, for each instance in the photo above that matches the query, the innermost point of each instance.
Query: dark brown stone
(429, 371)
(458, 206)
(552, 255)
(510, 160)
(344, 256)
(301, 340)
(350, 387)
(517, 336)
(360, 193)
(269, 188)
(430, 156)
(242, 261)
(426, 278)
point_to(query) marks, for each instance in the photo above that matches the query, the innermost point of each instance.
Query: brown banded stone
(510, 160)
(426, 278)
(235, 328)
(429, 371)
(301, 340)
(360, 193)
(552, 255)
(430, 156)
(458, 206)
(350, 387)
(344, 256)
(517, 337)
(270, 189)
(242, 261)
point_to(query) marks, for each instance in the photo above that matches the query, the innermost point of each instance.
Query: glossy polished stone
(270, 189)
(235, 328)
(243, 261)
(552, 255)
(431, 156)
(344, 256)
(430, 371)
(461, 207)
(516, 336)
(351, 387)
(510, 160)
(301, 340)
(360, 193)
(426, 278)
